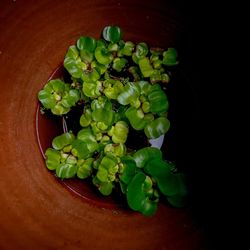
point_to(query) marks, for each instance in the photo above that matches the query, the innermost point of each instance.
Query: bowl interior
(34, 39)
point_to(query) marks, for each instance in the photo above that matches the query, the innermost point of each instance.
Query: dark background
(198, 138)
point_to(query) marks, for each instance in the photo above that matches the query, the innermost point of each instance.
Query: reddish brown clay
(36, 211)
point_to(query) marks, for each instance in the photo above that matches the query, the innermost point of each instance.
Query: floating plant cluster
(120, 86)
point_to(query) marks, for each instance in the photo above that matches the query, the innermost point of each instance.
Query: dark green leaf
(129, 169)
(149, 207)
(142, 156)
(170, 57)
(136, 118)
(177, 200)
(158, 100)
(87, 46)
(112, 34)
(157, 127)
(135, 195)
(170, 184)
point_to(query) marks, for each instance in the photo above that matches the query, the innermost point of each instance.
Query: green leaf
(158, 100)
(71, 160)
(130, 93)
(92, 89)
(58, 96)
(136, 118)
(170, 184)
(112, 88)
(145, 67)
(53, 158)
(73, 63)
(57, 85)
(135, 72)
(103, 56)
(142, 156)
(170, 57)
(106, 188)
(112, 34)
(123, 187)
(120, 132)
(66, 171)
(80, 149)
(47, 100)
(147, 185)
(87, 46)
(119, 64)
(177, 200)
(145, 87)
(135, 195)
(62, 140)
(157, 127)
(85, 145)
(84, 168)
(149, 207)
(108, 162)
(72, 52)
(118, 149)
(120, 113)
(71, 98)
(113, 47)
(102, 174)
(52, 93)
(127, 49)
(102, 110)
(72, 67)
(129, 169)
(140, 52)
(86, 118)
(156, 76)
(99, 67)
(90, 75)
(59, 109)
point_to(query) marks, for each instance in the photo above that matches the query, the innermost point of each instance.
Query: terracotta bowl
(37, 210)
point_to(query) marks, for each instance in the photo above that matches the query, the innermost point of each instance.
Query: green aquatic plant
(120, 87)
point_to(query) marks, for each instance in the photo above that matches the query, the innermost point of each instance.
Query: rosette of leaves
(148, 105)
(107, 173)
(146, 176)
(151, 63)
(58, 97)
(79, 59)
(105, 124)
(71, 156)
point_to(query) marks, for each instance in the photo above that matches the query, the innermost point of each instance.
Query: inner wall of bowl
(157, 25)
